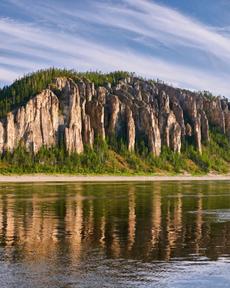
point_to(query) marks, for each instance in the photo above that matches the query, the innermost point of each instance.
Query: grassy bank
(114, 159)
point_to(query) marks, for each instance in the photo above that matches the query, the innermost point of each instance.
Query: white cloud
(161, 23)
(44, 47)
(7, 75)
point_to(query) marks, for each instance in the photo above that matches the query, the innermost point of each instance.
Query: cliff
(75, 113)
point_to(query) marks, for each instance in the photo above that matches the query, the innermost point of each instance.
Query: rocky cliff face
(75, 113)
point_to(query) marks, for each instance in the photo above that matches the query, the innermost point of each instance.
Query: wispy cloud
(7, 75)
(102, 36)
(161, 23)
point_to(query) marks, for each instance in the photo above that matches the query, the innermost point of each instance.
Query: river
(161, 234)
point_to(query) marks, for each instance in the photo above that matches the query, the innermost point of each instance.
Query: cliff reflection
(157, 221)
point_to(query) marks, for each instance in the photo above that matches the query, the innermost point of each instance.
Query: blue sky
(185, 43)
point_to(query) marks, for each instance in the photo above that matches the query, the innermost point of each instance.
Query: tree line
(30, 85)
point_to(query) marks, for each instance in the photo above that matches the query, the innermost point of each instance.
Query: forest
(107, 157)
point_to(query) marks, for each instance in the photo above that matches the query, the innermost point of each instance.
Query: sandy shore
(66, 178)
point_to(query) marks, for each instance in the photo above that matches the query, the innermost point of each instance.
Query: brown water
(115, 235)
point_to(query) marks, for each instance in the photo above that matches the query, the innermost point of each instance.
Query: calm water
(115, 235)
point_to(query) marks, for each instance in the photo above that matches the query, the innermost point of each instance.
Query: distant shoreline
(106, 178)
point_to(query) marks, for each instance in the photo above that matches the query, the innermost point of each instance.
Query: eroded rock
(75, 113)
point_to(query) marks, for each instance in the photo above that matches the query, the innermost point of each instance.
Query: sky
(185, 43)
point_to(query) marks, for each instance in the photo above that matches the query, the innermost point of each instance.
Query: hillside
(63, 121)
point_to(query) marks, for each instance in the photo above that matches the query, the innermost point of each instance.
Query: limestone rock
(164, 102)
(96, 110)
(2, 136)
(215, 113)
(204, 127)
(173, 133)
(35, 125)
(175, 138)
(10, 132)
(131, 133)
(191, 105)
(149, 126)
(188, 130)
(73, 136)
(114, 109)
(87, 130)
(227, 122)
(178, 112)
(154, 139)
(74, 113)
(197, 134)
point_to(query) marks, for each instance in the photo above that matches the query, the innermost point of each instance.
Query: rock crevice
(76, 113)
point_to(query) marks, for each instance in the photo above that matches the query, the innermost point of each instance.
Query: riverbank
(70, 178)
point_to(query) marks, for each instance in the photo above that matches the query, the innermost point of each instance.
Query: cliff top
(63, 114)
(27, 87)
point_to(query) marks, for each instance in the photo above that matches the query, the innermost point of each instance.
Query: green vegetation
(114, 158)
(23, 89)
(110, 157)
(209, 95)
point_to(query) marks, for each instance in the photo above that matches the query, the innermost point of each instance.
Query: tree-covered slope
(28, 86)
(61, 121)
(115, 159)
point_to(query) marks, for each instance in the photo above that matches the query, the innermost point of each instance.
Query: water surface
(171, 234)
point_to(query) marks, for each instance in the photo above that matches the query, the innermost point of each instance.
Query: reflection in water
(69, 224)
(198, 232)
(73, 224)
(121, 223)
(132, 218)
(156, 218)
